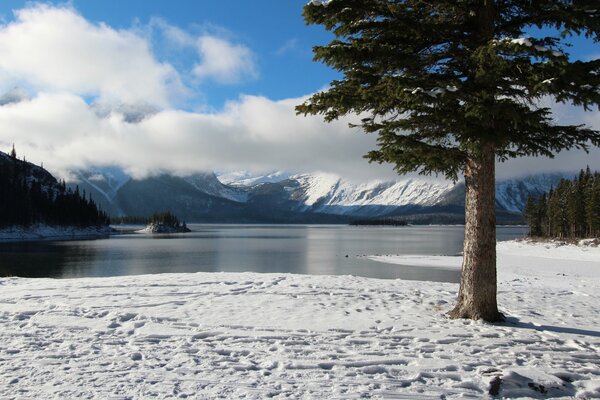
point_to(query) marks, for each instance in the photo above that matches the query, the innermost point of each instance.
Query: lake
(298, 249)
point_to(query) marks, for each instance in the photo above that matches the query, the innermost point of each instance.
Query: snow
(522, 42)
(46, 232)
(331, 194)
(209, 183)
(250, 335)
(248, 179)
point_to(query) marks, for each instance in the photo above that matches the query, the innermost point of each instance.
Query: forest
(571, 210)
(30, 195)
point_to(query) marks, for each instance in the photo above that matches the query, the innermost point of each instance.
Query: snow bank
(45, 232)
(249, 335)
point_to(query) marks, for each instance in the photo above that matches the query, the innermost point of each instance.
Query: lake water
(299, 249)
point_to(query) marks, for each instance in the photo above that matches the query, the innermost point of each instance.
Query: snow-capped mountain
(281, 197)
(103, 184)
(209, 183)
(247, 179)
(329, 193)
(511, 194)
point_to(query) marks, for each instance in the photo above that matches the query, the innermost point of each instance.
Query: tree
(531, 214)
(593, 208)
(451, 86)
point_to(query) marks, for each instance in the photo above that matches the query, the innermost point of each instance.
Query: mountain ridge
(310, 198)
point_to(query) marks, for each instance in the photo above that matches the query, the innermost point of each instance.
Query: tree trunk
(477, 294)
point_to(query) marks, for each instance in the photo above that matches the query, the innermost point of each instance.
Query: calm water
(320, 250)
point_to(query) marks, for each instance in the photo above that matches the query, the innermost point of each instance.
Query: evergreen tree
(25, 201)
(449, 87)
(531, 214)
(542, 219)
(593, 208)
(576, 208)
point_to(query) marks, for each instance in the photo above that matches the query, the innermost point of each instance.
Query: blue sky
(273, 30)
(216, 82)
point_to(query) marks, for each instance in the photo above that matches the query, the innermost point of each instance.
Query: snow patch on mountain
(209, 183)
(107, 180)
(512, 194)
(249, 179)
(330, 193)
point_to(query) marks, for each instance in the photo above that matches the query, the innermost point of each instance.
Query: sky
(183, 86)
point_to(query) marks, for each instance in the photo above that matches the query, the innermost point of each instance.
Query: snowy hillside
(511, 194)
(248, 179)
(106, 181)
(331, 194)
(209, 183)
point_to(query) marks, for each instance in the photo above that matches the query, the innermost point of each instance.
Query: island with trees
(165, 222)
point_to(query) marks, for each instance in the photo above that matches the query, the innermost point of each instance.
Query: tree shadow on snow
(514, 322)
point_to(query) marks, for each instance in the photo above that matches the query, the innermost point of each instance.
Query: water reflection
(319, 250)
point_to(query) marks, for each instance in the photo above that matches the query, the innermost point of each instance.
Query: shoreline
(42, 232)
(252, 335)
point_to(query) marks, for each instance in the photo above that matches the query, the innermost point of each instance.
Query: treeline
(29, 195)
(166, 218)
(571, 210)
(163, 218)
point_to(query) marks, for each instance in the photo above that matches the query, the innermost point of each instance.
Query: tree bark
(477, 294)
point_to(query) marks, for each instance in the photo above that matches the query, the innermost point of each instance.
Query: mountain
(331, 194)
(511, 194)
(31, 196)
(302, 198)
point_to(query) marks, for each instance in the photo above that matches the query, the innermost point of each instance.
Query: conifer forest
(571, 210)
(30, 195)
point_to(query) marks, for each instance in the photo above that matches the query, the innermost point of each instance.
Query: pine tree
(542, 217)
(531, 214)
(593, 208)
(449, 87)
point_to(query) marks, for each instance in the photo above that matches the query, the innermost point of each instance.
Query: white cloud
(288, 46)
(252, 133)
(224, 61)
(565, 161)
(54, 48)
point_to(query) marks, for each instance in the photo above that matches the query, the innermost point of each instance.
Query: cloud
(566, 160)
(251, 133)
(288, 46)
(224, 61)
(54, 48)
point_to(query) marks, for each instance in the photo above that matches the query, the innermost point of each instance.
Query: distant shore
(46, 232)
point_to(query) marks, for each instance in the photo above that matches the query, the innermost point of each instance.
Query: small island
(165, 222)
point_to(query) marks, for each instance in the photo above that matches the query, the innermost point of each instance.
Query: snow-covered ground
(45, 232)
(249, 335)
